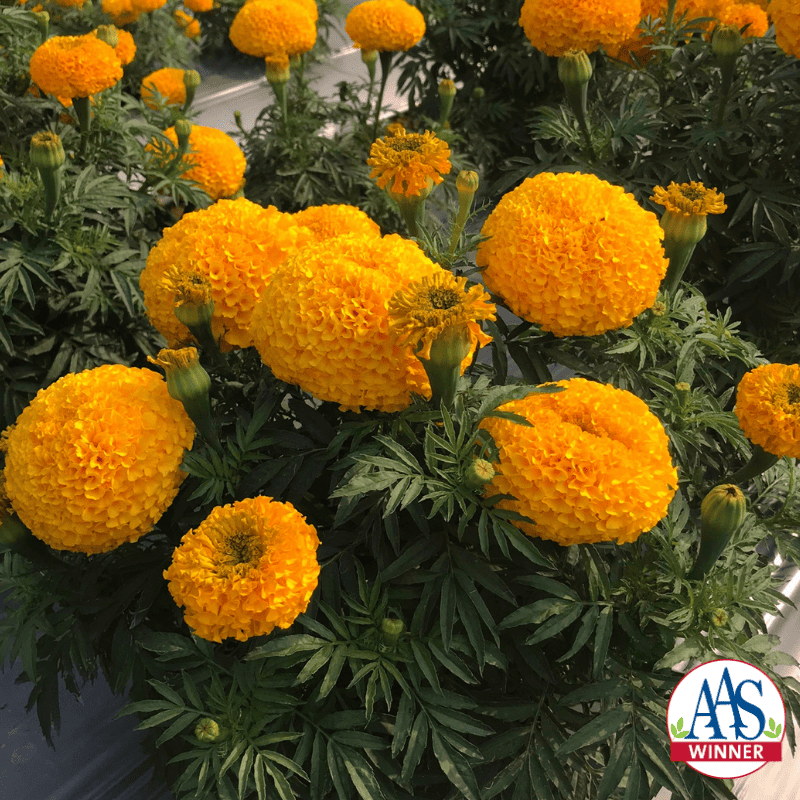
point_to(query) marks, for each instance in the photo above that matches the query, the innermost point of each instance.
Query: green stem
(51, 180)
(386, 65)
(759, 462)
(458, 226)
(210, 346)
(576, 99)
(83, 110)
(727, 68)
(279, 87)
(678, 256)
(443, 384)
(670, 18)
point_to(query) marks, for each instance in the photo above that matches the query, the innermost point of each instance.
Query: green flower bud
(47, 152)
(727, 41)
(480, 471)
(191, 79)
(108, 34)
(391, 630)
(683, 391)
(277, 70)
(479, 92)
(207, 730)
(369, 56)
(183, 130)
(467, 182)
(574, 68)
(722, 512)
(719, 617)
(42, 23)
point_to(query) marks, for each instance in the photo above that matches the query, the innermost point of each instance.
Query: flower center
(693, 192)
(444, 298)
(242, 548)
(793, 394)
(411, 141)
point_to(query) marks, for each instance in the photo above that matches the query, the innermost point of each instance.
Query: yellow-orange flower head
(123, 12)
(166, 83)
(768, 408)
(786, 18)
(420, 312)
(236, 245)
(329, 221)
(187, 23)
(746, 14)
(573, 254)
(248, 568)
(199, 6)
(406, 163)
(594, 467)
(385, 25)
(689, 199)
(94, 460)
(218, 163)
(556, 26)
(322, 322)
(269, 28)
(75, 66)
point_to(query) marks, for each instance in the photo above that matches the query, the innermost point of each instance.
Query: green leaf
(598, 730)
(602, 639)
(685, 651)
(535, 613)
(417, 742)
(361, 775)
(555, 625)
(616, 766)
(286, 646)
(455, 767)
(584, 633)
(334, 670)
(179, 725)
(425, 663)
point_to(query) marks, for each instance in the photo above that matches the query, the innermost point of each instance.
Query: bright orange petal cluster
(166, 83)
(199, 6)
(187, 23)
(248, 568)
(385, 25)
(218, 163)
(786, 18)
(94, 460)
(329, 221)
(689, 199)
(270, 28)
(573, 254)
(124, 12)
(745, 14)
(768, 408)
(75, 66)
(594, 467)
(407, 163)
(322, 322)
(556, 26)
(237, 245)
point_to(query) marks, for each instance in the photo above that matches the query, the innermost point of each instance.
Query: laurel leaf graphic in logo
(677, 732)
(773, 732)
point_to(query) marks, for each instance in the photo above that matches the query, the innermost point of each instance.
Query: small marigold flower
(75, 66)
(199, 6)
(188, 24)
(322, 321)
(267, 28)
(385, 25)
(123, 12)
(556, 26)
(329, 221)
(594, 467)
(94, 460)
(749, 16)
(573, 254)
(168, 83)
(248, 568)
(236, 245)
(786, 18)
(412, 162)
(689, 199)
(768, 408)
(217, 162)
(421, 311)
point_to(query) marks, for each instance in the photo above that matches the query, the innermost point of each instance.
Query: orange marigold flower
(237, 245)
(556, 26)
(594, 467)
(409, 160)
(750, 15)
(126, 46)
(248, 568)
(199, 6)
(94, 460)
(322, 321)
(329, 221)
(166, 83)
(146, 6)
(188, 24)
(421, 311)
(385, 25)
(218, 163)
(786, 18)
(573, 254)
(768, 408)
(123, 12)
(269, 28)
(689, 199)
(74, 66)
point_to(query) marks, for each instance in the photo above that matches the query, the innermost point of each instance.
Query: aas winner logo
(726, 719)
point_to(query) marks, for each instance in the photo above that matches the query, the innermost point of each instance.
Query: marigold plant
(322, 322)
(269, 28)
(236, 245)
(385, 25)
(406, 163)
(166, 82)
(556, 26)
(768, 408)
(75, 66)
(595, 465)
(573, 254)
(248, 568)
(217, 162)
(786, 18)
(94, 460)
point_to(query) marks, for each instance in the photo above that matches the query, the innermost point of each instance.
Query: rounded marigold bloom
(689, 199)
(786, 18)
(768, 408)
(123, 12)
(75, 66)
(94, 460)
(385, 25)
(236, 245)
(168, 83)
(199, 6)
(329, 221)
(322, 321)
(750, 15)
(248, 568)
(573, 254)
(594, 467)
(413, 162)
(218, 163)
(556, 26)
(269, 28)
(188, 24)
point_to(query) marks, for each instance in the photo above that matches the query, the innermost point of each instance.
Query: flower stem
(83, 111)
(727, 68)
(386, 65)
(759, 462)
(576, 99)
(678, 255)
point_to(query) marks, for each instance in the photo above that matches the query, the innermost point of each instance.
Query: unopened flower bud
(277, 69)
(207, 730)
(719, 617)
(480, 471)
(391, 630)
(467, 182)
(479, 92)
(191, 80)
(447, 93)
(683, 391)
(659, 308)
(47, 155)
(721, 513)
(727, 41)
(108, 34)
(574, 68)
(183, 130)
(42, 23)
